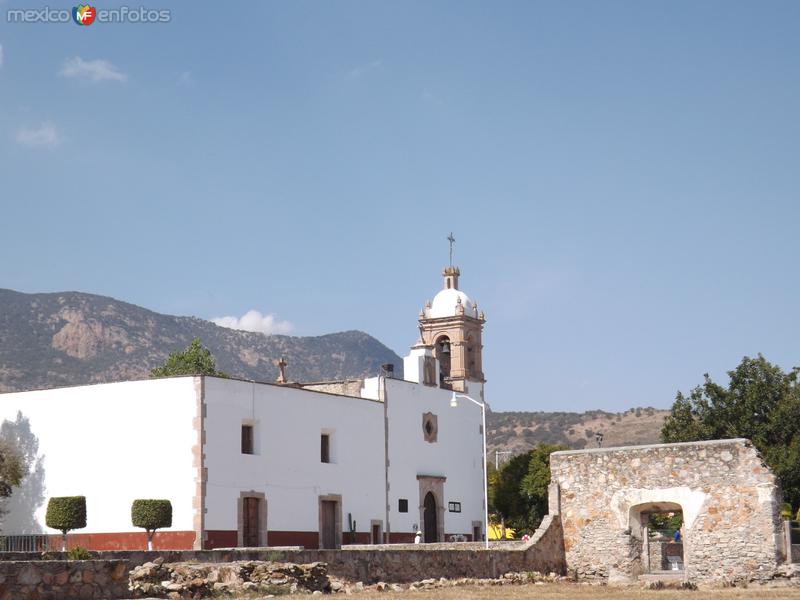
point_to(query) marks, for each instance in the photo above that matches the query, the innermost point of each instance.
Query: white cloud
(361, 70)
(44, 136)
(431, 98)
(253, 320)
(93, 70)
(186, 78)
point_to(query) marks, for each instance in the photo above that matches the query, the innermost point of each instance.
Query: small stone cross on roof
(282, 368)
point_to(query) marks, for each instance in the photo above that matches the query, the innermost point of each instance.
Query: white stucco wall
(286, 466)
(112, 443)
(456, 455)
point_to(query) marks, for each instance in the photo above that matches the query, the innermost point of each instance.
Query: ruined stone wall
(55, 579)
(728, 496)
(543, 553)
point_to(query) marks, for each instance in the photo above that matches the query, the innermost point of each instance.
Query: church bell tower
(449, 350)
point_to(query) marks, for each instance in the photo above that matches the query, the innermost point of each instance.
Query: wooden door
(431, 529)
(328, 524)
(376, 534)
(250, 525)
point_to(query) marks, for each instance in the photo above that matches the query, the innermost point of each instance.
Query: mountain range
(72, 338)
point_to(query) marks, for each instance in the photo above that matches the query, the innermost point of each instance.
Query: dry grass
(587, 592)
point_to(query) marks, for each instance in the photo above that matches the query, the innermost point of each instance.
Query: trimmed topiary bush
(66, 513)
(151, 515)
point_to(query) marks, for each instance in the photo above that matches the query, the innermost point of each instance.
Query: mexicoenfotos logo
(83, 14)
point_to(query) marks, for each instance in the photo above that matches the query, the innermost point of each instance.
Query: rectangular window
(454, 507)
(247, 439)
(325, 448)
(402, 505)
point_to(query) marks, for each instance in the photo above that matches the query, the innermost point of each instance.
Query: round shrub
(151, 514)
(66, 512)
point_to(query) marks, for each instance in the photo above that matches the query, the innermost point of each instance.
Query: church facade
(246, 463)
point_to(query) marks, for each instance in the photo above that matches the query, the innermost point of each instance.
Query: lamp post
(454, 404)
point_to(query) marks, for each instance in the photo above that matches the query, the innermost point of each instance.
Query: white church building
(246, 463)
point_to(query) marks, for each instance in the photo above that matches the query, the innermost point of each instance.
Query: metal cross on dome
(452, 241)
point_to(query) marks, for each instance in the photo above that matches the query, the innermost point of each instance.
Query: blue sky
(621, 177)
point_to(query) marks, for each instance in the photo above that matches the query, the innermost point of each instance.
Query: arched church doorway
(658, 528)
(430, 515)
(443, 352)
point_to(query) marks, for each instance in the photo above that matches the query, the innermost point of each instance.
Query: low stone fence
(544, 553)
(55, 579)
(26, 576)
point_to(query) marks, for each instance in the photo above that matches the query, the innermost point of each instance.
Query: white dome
(445, 302)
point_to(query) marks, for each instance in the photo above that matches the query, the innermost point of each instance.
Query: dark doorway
(476, 533)
(431, 528)
(328, 524)
(376, 534)
(250, 524)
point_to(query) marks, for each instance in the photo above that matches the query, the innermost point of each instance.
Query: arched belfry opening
(443, 352)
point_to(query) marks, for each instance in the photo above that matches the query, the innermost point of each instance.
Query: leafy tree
(669, 521)
(12, 467)
(151, 515)
(196, 359)
(66, 513)
(520, 491)
(761, 403)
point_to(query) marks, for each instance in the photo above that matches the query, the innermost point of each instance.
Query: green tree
(520, 491)
(761, 403)
(66, 513)
(196, 359)
(536, 483)
(12, 467)
(151, 515)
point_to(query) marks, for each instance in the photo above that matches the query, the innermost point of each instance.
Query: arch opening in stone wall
(656, 532)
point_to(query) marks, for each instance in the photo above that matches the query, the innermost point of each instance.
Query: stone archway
(431, 494)
(655, 541)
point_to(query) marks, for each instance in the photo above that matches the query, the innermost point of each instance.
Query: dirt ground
(587, 592)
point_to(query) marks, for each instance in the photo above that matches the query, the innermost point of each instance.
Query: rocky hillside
(68, 338)
(518, 432)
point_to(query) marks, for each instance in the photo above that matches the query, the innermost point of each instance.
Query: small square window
(402, 505)
(325, 448)
(454, 507)
(247, 439)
